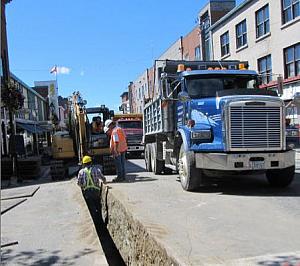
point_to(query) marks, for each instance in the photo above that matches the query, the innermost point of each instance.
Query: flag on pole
(53, 70)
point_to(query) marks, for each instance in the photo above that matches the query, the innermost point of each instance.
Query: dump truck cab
(211, 118)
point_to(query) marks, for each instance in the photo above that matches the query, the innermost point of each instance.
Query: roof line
(26, 86)
(229, 14)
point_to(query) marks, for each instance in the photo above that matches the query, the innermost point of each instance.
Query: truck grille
(255, 127)
(134, 139)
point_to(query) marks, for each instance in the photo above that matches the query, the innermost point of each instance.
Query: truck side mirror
(183, 96)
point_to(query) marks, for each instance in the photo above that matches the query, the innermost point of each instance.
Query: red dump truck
(132, 124)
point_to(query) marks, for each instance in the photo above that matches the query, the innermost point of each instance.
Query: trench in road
(109, 248)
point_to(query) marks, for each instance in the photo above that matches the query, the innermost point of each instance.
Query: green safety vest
(89, 180)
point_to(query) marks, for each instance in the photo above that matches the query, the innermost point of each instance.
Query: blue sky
(102, 44)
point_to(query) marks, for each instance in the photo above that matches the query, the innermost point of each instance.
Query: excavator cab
(97, 141)
(97, 125)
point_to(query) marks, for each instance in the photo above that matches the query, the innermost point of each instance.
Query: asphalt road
(234, 222)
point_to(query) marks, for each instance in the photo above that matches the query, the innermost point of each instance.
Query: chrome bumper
(243, 161)
(135, 148)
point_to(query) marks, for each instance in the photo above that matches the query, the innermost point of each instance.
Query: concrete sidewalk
(51, 226)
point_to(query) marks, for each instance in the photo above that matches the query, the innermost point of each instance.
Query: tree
(13, 99)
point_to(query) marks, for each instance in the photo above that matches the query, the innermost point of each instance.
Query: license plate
(257, 165)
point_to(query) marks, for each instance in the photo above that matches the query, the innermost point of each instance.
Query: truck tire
(156, 165)
(190, 176)
(148, 157)
(281, 177)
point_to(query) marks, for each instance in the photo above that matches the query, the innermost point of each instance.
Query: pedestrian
(89, 179)
(118, 147)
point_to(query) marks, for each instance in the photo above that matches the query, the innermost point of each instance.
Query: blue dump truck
(210, 119)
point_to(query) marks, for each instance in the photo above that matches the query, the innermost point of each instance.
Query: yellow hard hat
(86, 159)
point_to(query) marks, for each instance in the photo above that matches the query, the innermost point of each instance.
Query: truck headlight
(203, 134)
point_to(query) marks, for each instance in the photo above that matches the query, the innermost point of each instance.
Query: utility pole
(10, 96)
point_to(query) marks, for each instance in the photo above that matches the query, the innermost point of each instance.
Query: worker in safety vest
(89, 179)
(118, 147)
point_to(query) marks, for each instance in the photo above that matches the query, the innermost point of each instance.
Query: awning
(41, 129)
(46, 128)
(31, 128)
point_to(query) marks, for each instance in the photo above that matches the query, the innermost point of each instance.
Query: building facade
(139, 91)
(267, 35)
(51, 89)
(32, 121)
(191, 49)
(209, 15)
(124, 107)
(259, 27)
(145, 87)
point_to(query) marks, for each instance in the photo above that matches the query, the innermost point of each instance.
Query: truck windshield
(203, 87)
(130, 124)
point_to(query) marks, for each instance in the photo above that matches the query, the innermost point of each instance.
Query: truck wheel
(190, 176)
(281, 177)
(156, 165)
(148, 157)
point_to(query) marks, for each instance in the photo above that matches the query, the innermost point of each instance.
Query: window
(241, 34)
(292, 61)
(207, 47)
(290, 10)
(225, 43)
(204, 87)
(265, 69)
(130, 124)
(204, 21)
(197, 52)
(40, 110)
(31, 100)
(262, 21)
